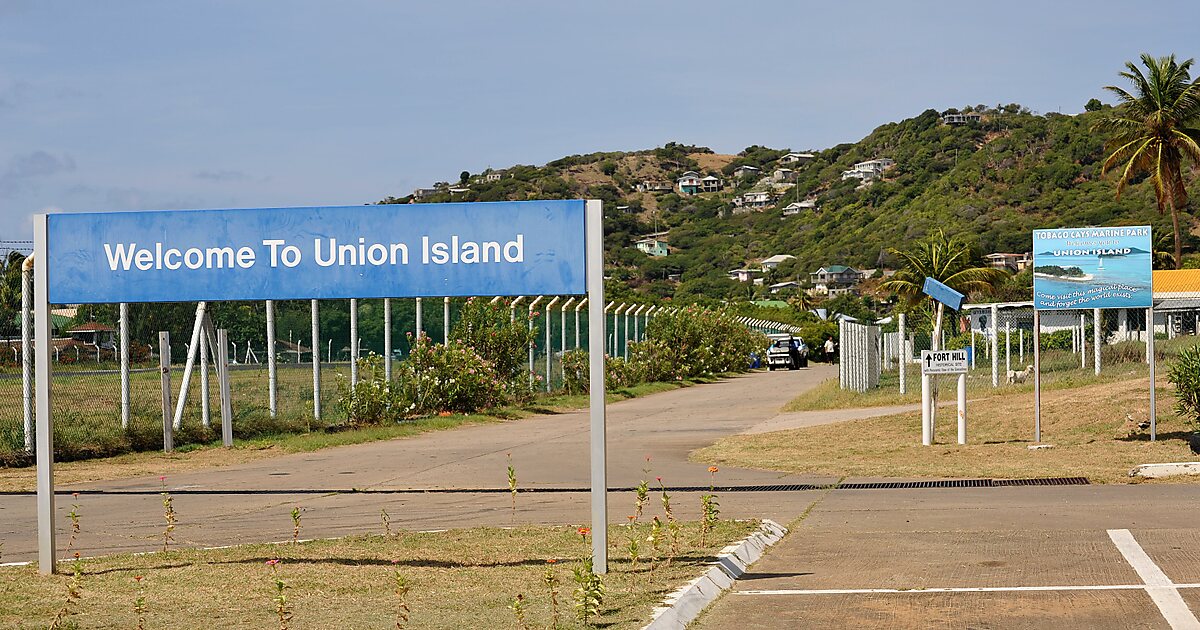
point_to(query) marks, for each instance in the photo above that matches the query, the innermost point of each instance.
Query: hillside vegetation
(993, 180)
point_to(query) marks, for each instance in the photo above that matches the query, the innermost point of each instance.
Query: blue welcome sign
(1084, 268)
(410, 250)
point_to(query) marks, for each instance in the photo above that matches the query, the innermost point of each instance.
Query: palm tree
(946, 259)
(1153, 130)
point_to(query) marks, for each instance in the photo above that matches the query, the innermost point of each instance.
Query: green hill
(993, 179)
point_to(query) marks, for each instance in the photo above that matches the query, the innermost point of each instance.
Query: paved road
(547, 452)
(1028, 557)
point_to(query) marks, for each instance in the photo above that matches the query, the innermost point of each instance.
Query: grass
(1086, 424)
(284, 439)
(1060, 370)
(459, 579)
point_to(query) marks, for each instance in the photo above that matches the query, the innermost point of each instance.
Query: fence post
(272, 374)
(562, 345)
(354, 342)
(193, 347)
(549, 347)
(1007, 348)
(1097, 338)
(1082, 341)
(579, 306)
(1150, 360)
(164, 367)
(387, 339)
(995, 347)
(901, 354)
(124, 326)
(316, 359)
(226, 402)
(205, 412)
(27, 353)
(420, 323)
(1021, 345)
(532, 340)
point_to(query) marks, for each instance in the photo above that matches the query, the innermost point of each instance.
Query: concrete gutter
(684, 605)
(1158, 471)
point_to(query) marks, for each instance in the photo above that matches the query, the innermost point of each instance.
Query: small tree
(1184, 374)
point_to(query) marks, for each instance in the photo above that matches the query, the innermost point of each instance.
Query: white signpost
(943, 362)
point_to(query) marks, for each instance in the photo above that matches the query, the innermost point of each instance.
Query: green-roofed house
(835, 279)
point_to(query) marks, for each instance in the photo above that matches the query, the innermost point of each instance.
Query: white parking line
(960, 589)
(1161, 589)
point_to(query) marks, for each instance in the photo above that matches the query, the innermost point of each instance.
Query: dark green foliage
(1184, 374)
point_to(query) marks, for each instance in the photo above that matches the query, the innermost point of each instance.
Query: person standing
(830, 350)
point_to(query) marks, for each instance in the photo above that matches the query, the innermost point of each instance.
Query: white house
(689, 183)
(711, 183)
(650, 185)
(961, 119)
(746, 171)
(775, 261)
(869, 170)
(743, 275)
(783, 175)
(493, 176)
(780, 286)
(796, 207)
(756, 199)
(795, 158)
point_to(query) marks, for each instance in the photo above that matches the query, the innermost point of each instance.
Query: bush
(371, 400)
(695, 342)
(456, 377)
(618, 372)
(575, 372)
(501, 341)
(1184, 374)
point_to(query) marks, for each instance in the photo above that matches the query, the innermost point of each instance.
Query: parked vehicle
(786, 351)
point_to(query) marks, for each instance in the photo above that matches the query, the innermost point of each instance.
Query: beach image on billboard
(1080, 268)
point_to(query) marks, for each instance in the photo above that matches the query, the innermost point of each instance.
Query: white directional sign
(944, 362)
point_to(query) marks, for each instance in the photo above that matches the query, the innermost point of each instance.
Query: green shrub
(501, 341)
(575, 372)
(1184, 374)
(695, 342)
(436, 378)
(372, 400)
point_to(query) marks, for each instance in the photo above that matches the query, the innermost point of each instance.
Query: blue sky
(130, 105)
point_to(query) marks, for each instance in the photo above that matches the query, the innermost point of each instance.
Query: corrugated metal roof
(1178, 304)
(1177, 281)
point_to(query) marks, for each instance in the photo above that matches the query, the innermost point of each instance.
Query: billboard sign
(403, 250)
(1085, 268)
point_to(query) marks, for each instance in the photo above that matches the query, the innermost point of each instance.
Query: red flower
(583, 531)
(137, 578)
(272, 562)
(551, 561)
(712, 469)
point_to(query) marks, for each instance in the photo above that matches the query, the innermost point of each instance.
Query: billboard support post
(599, 447)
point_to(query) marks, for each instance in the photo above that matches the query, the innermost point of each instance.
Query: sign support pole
(1037, 375)
(596, 337)
(1096, 340)
(316, 360)
(387, 339)
(272, 369)
(901, 355)
(962, 408)
(926, 419)
(1150, 359)
(44, 433)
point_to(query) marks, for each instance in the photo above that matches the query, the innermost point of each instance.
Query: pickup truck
(786, 351)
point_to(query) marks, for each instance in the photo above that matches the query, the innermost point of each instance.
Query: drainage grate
(1046, 481)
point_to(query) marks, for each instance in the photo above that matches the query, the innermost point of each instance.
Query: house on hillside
(783, 175)
(745, 275)
(711, 183)
(783, 286)
(653, 245)
(688, 183)
(746, 171)
(776, 260)
(1012, 263)
(493, 176)
(961, 119)
(796, 207)
(652, 186)
(835, 279)
(424, 193)
(869, 170)
(755, 199)
(796, 158)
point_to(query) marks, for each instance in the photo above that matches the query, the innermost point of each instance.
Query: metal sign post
(943, 362)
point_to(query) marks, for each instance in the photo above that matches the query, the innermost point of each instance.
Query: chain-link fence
(1077, 346)
(105, 405)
